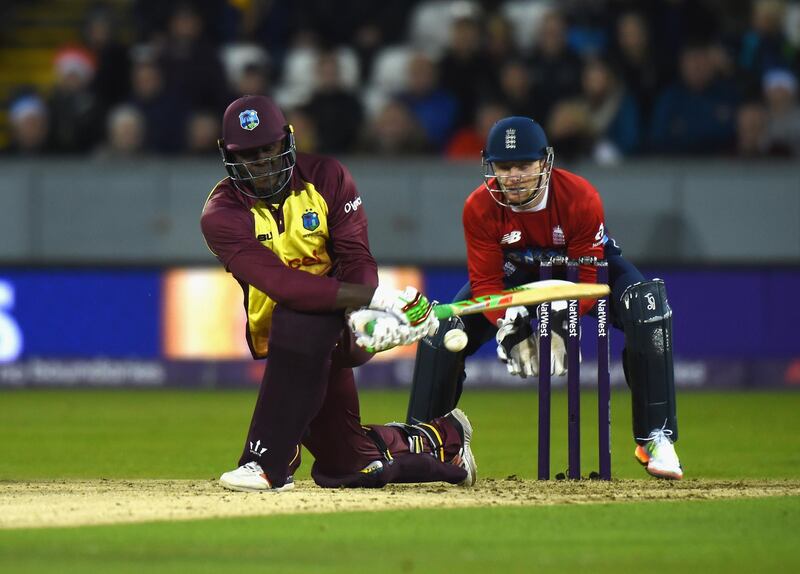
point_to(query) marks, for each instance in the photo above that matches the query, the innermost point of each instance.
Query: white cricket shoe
(658, 455)
(251, 478)
(465, 459)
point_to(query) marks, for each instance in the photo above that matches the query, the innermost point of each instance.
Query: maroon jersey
(570, 220)
(295, 253)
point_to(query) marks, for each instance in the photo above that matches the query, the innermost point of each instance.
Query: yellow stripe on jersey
(302, 245)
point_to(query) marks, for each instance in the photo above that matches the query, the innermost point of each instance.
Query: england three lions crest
(558, 236)
(248, 119)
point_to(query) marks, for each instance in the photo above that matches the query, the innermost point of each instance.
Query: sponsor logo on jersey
(310, 220)
(248, 119)
(511, 138)
(600, 237)
(511, 237)
(265, 236)
(352, 205)
(307, 261)
(558, 236)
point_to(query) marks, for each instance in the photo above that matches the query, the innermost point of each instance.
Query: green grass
(179, 434)
(718, 536)
(176, 434)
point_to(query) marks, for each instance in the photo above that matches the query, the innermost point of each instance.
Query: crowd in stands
(608, 79)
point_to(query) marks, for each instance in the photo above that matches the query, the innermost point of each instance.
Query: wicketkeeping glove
(558, 337)
(516, 345)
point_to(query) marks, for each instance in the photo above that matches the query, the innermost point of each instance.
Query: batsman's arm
(228, 233)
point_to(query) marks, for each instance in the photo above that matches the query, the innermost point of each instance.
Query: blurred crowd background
(607, 79)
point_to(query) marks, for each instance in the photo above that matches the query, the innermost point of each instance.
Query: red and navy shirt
(571, 222)
(295, 253)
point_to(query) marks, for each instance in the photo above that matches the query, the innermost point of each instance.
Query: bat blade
(522, 296)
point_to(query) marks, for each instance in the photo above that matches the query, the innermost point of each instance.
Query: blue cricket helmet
(517, 139)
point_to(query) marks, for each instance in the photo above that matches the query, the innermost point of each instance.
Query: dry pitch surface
(32, 504)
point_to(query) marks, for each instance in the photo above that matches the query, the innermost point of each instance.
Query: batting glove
(409, 306)
(378, 331)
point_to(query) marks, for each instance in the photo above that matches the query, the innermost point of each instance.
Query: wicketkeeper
(292, 230)
(526, 210)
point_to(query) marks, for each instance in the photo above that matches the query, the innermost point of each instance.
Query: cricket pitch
(65, 503)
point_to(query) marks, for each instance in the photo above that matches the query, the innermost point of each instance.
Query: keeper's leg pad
(647, 323)
(436, 385)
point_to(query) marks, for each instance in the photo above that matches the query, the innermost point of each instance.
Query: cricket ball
(455, 340)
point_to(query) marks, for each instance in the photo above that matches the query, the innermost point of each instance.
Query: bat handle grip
(443, 311)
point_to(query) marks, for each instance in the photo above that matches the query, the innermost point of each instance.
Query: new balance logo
(257, 450)
(511, 237)
(511, 138)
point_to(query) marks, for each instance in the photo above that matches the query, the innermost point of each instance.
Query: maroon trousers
(308, 395)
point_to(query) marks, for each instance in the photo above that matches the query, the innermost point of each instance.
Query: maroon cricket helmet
(250, 123)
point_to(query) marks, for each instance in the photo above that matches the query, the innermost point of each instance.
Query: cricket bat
(524, 295)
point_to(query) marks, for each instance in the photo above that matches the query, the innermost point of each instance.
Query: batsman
(525, 211)
(291, 229)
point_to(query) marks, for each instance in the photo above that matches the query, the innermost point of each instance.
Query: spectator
(570, 130)
(75, 116)
(697, 114)
(513, 90)
(304, 129)
(202, 133)
(764, 46)
(676, 24)
(783, 113)
(632, 55)
(613, 114)
(751, 130)
(111, 83)
(435, 108)
(465, 66)
(125, 131)
(164, 116)
(377, 24)
(192, 70)
(336, 112)
(468, 142)
(27, 116)
(501, 45)
(395, 132)
(555, 68)
(269, 24)
(254, 80)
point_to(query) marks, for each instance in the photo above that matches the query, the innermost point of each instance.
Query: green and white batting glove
(378, 331)
(409, 306)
